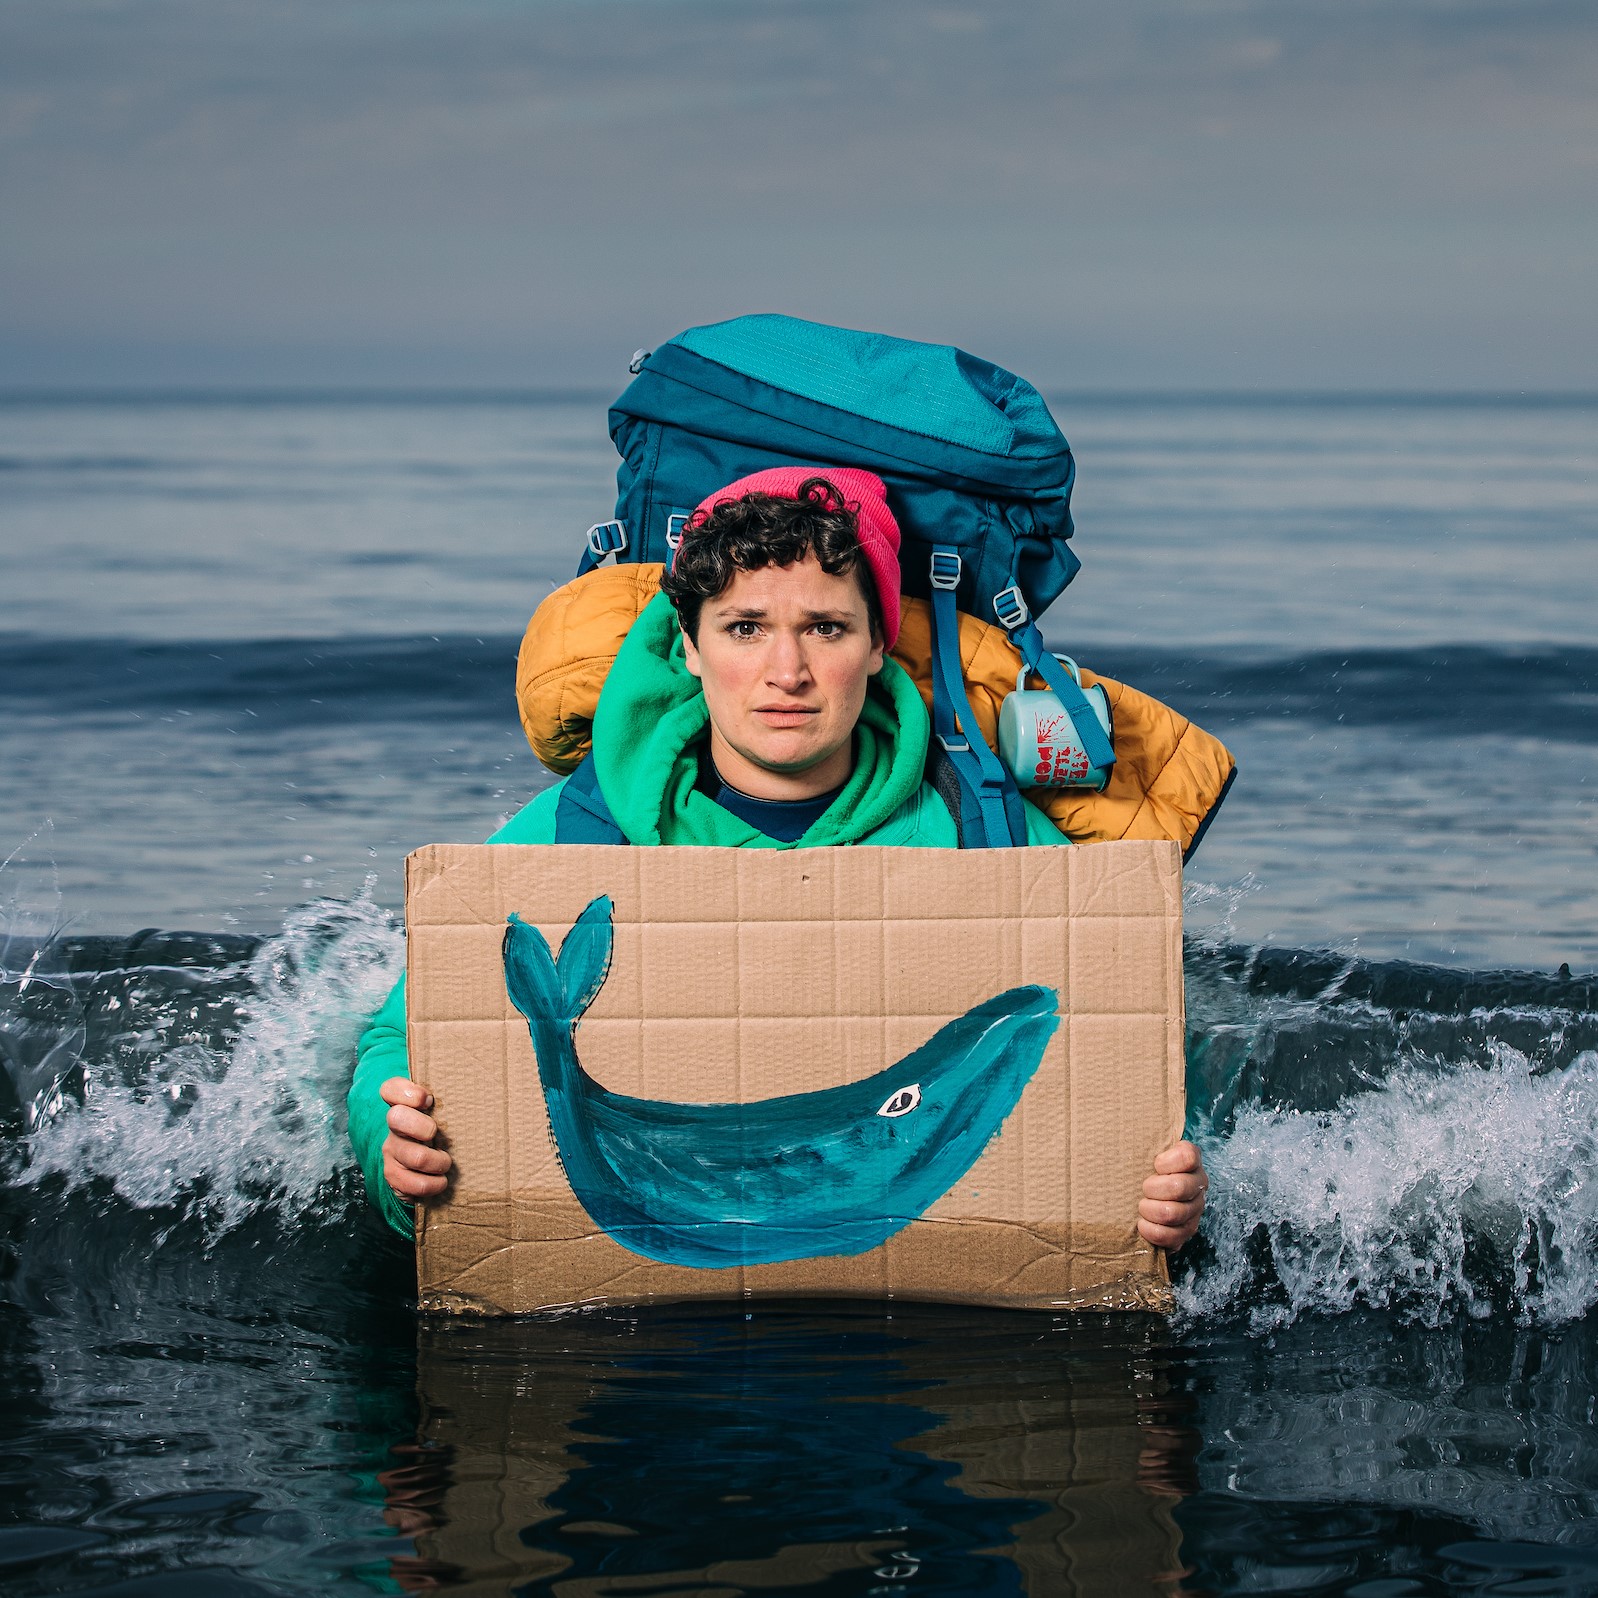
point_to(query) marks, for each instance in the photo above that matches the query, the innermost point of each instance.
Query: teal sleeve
(381, 1053)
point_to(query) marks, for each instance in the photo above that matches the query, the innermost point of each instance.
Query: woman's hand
(411, 1165)
(1173, 1198)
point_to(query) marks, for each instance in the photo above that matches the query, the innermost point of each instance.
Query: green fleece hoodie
(648, 728)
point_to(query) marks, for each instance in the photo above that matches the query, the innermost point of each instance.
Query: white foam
(224, 1138)
(1374, 1203)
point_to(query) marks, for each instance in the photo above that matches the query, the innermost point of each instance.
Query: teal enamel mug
(1038, 742)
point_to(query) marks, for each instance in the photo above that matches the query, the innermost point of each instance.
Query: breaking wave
(1464, 1190)
(1391, 1135)
(199, 1076)
(1378, 1134)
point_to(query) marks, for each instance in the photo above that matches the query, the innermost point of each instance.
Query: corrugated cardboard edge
(1134, 1291)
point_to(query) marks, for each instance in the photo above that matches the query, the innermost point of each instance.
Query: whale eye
(902, 1102)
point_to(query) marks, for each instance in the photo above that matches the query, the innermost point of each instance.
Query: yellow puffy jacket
(1169, 775)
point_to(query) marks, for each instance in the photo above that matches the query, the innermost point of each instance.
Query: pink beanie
(863, 492)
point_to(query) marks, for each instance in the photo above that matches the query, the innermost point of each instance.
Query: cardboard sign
(719, 1073)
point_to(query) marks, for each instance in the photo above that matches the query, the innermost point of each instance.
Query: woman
(752, 705)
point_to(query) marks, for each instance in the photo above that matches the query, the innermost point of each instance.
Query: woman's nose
(785, 664)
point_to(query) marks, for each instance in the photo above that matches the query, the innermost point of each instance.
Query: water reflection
(824, 1450)
(264, 1415)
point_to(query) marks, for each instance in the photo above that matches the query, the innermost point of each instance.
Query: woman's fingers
(1166, 1237)
(414, 1170)
(406, 1122)
(401, 1090)
(1180, 1189)
(1163, 1214)
(412, 1184)
(1173, 1197)
(411, 1165)
(1167, 1226)
(417, 1156)
(1183, 1156)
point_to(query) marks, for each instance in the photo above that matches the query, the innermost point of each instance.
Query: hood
(651, 715)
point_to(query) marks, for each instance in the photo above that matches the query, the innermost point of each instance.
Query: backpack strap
(581, 814)
(1016, 619)
(959, 798)
(988, 811)
(602, 539)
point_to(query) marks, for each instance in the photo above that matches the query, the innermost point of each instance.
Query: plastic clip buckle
(607, 538)
(1011, 609)
(946, 568)
(674, 526)
(953, 746)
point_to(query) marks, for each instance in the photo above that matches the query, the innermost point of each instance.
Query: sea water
(253, 650)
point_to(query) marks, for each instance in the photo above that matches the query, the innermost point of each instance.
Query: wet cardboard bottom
(515, 1256)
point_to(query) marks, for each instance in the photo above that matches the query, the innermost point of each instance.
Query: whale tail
(545, 987)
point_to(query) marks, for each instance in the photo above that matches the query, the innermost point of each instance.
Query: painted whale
(836, 1171)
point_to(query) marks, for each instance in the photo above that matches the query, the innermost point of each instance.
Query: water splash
(1431, 1194)
(1211, 909)
(221, 1097)
(1390, 1134)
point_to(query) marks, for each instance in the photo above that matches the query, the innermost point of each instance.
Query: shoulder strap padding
(581, 812)
(944, 781)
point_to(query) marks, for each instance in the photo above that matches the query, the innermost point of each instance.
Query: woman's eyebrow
(759, 613)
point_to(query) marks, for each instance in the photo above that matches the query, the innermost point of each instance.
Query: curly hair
(766, 530)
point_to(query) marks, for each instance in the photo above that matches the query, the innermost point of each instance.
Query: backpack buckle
(607, 538)
(675, 523)
(946, 568)
(1011, 609)
(953, 746)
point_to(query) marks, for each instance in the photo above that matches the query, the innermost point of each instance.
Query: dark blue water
(251, 653)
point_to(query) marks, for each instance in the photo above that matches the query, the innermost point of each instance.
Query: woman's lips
(784, 715)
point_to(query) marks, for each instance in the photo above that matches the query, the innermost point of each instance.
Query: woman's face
(784, 654)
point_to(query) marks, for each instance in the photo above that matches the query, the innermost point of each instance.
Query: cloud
(1259, 191)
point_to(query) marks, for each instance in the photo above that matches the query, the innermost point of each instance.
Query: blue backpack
(978, 476)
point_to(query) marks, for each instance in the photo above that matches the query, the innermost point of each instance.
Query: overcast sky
(1116, 194)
